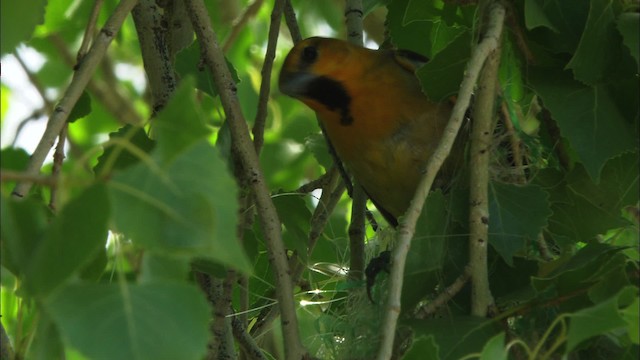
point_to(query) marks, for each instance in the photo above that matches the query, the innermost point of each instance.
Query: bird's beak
(295, 83)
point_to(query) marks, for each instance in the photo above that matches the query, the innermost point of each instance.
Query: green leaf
(580, 271)
(582, 209)
(74, 237)
(46, 342)
(599, 46)
(517, 213)
(188, 63)
(180, 123)
(18, 19)
(124, 321)
(424, 348)
(118, 157)
(589, 116)
(161, 266)
(24, 224)
(494, 349)
(457, 336)
(317, 144)
(295, 217)
(427, 247)
(630, 315)
(598, 319)
(534, 16)
(14, 159)
(418, 10)
(629, 27)
(441, 77)
(188, 206)
(81, 109)
(427, 250)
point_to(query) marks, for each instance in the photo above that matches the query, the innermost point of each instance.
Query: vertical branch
(406, 228)
(267, 67)
(480, 151)
(80, 80)
(156, 55)
(353, 15)
(243, 146)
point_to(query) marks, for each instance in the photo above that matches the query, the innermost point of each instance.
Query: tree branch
(243, 146)
(89, 30)
(156, 56)
(292, 23)
(72, 94)
(241, 23)
(446, 295)
(480, 154)
(407, 224)
(267, 68)
(108, 95)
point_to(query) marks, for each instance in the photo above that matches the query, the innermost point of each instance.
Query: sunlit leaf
(18, 19)
(165, 320)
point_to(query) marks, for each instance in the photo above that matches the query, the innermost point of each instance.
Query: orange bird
(375, 115)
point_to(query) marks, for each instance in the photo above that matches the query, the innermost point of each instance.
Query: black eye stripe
(333, 95)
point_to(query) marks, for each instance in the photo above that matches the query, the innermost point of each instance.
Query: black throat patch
(333, 95)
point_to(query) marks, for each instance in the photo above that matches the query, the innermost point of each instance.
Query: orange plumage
(375, 115)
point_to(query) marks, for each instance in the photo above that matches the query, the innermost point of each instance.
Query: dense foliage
(107, 255)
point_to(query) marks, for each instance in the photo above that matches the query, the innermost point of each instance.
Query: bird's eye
(309, 54)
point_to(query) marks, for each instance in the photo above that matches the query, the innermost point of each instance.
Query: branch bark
(243, 146)
(156, 55)
(480, 154)
(267, 68)
(406, 228)
(80, 80)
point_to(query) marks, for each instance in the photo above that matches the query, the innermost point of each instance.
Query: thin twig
(407, 224)
(446, 295)
(246, 342)
(58, 159)
(541, 243)
(241, 23)
(35, 82)
(89, 30)
(108, 94)
(80, 80)
(292, 23)
(515, 144)
(243, 146)
(45, 180)
(316, 183)
(267, 68)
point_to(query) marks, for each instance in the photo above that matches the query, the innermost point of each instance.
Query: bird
(374, 114)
